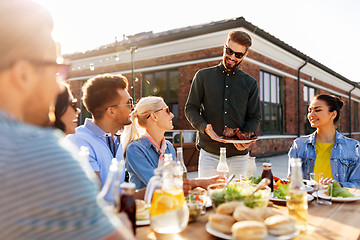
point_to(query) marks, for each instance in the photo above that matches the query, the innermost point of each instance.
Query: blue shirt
(344, 159)
(100, 154)
(142, 158)
(44, 190)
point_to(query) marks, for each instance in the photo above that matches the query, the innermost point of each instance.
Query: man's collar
(95, 129)
(222, 69)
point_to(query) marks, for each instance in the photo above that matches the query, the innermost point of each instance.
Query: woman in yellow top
(326, 150)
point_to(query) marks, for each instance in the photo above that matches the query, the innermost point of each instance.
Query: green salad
(339, 191)
(281, 191)
(237, 192)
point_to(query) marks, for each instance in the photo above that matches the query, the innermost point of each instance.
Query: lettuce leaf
(339, 191)
(282, 191)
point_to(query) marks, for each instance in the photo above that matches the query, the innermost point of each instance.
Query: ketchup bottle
(268, 174)
(127, 202)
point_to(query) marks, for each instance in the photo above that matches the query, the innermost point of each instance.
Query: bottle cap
(127, 185)
(267, 165)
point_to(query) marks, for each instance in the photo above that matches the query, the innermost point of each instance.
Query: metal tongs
(262, 184)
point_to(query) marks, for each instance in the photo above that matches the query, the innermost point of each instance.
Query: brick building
(164, 64)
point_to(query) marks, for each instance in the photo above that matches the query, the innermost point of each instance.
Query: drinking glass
(199, 196)
(316, 180)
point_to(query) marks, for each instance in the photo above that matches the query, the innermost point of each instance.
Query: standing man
(45, 191)
(224, 96)
(106, 97)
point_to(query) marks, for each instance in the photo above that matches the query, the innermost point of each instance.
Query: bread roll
(221, 222)
(243, 213)
(249, 230)
(228, 208)
(280, 224)
(265, 212)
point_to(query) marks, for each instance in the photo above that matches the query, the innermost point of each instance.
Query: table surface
(341, 220)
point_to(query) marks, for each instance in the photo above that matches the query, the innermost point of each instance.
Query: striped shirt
(44, 191)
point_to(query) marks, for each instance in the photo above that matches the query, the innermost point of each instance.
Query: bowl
(238, 191)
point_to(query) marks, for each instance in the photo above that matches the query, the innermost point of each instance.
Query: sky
(325, 30)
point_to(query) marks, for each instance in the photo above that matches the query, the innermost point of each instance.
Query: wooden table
(338, 221)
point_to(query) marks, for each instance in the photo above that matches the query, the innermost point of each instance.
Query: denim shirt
(141, 160)
(344, 159)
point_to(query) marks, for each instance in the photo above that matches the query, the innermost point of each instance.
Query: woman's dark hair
(62, 103)
(334, 103)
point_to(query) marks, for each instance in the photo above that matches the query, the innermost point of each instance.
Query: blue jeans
(208, 162)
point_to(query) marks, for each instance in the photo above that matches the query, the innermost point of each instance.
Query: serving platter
(323, 195)
(218, 234)
(238, 141)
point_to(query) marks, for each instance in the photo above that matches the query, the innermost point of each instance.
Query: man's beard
(228, 67)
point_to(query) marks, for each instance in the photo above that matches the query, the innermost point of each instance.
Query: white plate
(142, 222)
(229, 236)
(309, 189)
(337, 199)
(237, 141)
(275, 199)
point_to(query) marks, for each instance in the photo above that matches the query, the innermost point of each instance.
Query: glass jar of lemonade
(169, 213)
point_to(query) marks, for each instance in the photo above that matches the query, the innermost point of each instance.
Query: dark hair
(25, 29)
(334, 103)
(62, 104)
(100, 92)
(241, 38)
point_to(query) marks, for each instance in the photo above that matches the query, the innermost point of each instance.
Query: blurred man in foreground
(45, 192)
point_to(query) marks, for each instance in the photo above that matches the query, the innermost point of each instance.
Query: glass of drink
(315, 180)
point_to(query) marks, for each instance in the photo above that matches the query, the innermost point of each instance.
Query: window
(271, 103)
(309, 93)
(163, 84)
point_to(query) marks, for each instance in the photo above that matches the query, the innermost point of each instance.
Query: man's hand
(243, 146)
(212, 134)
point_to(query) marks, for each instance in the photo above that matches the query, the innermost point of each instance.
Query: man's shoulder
(207, 70)
(247, 76)
(82, 133)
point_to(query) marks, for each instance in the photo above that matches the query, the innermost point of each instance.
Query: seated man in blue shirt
(107, 99)
(45, 192)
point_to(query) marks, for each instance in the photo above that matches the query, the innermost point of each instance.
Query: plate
(229, 236)
(142, 222)
(237, 141)
(337, 199)
(309, 189)
(275, 199)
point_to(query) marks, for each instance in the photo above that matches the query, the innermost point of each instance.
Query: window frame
(275, 108)
(307, 127)
(171, 102)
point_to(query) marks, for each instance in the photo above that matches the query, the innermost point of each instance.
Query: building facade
(164, 64)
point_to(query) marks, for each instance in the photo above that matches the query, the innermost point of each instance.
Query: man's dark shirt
(222, 98)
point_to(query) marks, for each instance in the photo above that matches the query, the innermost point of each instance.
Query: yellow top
(322, 162)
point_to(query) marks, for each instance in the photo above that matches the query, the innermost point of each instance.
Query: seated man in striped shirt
(45, 192)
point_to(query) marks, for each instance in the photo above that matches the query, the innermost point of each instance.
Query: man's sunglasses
(230, 52)
(167, 110)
